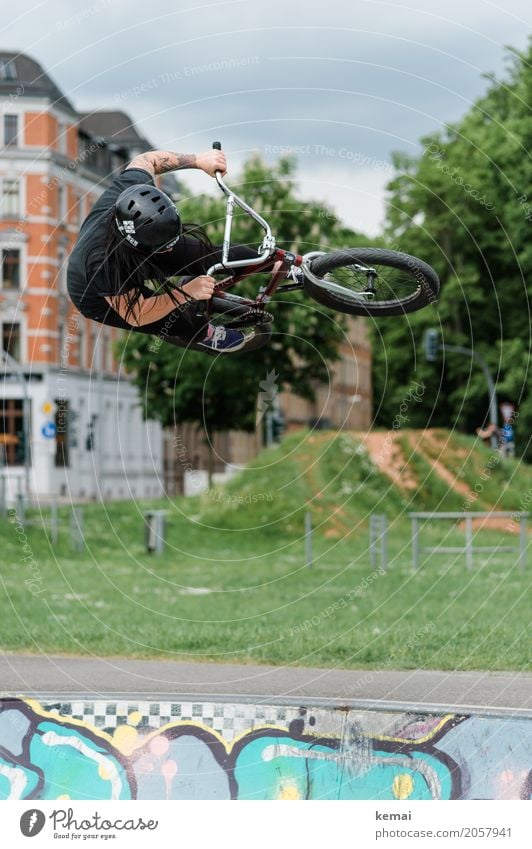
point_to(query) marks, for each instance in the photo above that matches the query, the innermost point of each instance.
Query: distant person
(133, 240)
(507, 440)
(487, 433)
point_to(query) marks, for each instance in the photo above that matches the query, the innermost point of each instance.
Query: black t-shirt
(87, 282)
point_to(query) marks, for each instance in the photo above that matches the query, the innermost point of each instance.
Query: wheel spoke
(387, 283)
(370, 281)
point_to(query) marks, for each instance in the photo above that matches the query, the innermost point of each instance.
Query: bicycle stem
(268, 243)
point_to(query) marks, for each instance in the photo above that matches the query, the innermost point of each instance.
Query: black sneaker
(224, 339)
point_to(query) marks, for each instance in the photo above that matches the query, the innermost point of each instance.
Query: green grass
(232, 585)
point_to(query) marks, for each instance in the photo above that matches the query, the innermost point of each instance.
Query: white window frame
(62, 128)
(14, 181)
(6, 115)
(6, 247)
(80, 208)
(82, 344)
(21, 321)
(62, 202)
(12, 240)
(110, 351)
(62, 262)
(5, 66)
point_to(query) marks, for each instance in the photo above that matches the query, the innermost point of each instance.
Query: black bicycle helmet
(147, 218)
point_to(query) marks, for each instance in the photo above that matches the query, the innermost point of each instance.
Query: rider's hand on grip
(200, 288)
(212, 161)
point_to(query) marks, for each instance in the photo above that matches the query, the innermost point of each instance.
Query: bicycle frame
(281, 263)
(270, 258)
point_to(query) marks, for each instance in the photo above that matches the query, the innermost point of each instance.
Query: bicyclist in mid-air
(133, 243)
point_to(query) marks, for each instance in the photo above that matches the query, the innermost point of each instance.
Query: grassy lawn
(232, 585)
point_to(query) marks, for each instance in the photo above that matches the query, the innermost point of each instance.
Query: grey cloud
(370, 77)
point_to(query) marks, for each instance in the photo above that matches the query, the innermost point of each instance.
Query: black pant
(189, 258)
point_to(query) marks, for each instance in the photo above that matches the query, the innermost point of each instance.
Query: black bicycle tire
(426, 293)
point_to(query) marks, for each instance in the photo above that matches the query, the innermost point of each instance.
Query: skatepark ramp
(129, 747)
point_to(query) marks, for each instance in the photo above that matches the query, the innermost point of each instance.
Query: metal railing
(469, 548)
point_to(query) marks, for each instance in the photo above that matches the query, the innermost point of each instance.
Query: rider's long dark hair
(124, 264)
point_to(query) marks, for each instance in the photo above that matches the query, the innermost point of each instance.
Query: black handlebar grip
(216, 145)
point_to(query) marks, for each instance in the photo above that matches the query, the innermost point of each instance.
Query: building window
(12, 436)
(79, 208)
(61, 274)
(104, 352)
(8, 69)
(61, 137)
(10, 199)
(10, 130)
(61, 203)
(61, 433)
(11, 269)
(109, 363)
(82, 344)
(11, 340)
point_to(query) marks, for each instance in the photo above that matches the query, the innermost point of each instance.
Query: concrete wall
(180, 749)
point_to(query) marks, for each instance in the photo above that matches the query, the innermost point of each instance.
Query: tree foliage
(220, 393)
(464, 205)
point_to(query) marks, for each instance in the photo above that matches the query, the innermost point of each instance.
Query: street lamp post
(433, 345)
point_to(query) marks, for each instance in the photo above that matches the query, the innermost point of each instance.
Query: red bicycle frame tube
(279, 264)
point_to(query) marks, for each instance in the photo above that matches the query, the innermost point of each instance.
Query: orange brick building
(54, 163)
(83, 416)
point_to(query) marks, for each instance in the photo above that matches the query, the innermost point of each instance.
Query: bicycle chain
(250, 318)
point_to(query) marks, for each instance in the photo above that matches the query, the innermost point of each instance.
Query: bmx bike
(355, 281)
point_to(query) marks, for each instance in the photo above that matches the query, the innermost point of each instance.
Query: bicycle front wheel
(371, 281)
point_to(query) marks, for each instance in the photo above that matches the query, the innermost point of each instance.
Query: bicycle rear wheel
(371, 281)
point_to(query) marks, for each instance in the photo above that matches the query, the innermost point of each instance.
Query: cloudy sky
(343, 82)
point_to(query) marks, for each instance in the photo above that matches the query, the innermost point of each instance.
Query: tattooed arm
(161, 161)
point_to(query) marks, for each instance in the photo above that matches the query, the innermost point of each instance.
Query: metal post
(308, 538)
(415, 543)
(384, 542)
(155, 530)
(469, 541)
(378, 533)
(76, 528)
(21, 508)
(100, 430)
(54, 522)
(459, 349)
(522, 540)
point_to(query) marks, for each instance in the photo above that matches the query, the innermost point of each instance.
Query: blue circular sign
(48, 430)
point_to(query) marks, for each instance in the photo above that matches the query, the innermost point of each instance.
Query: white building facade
(88, 437)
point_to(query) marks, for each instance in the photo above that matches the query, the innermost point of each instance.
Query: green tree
(220, 393)
(462, 205)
